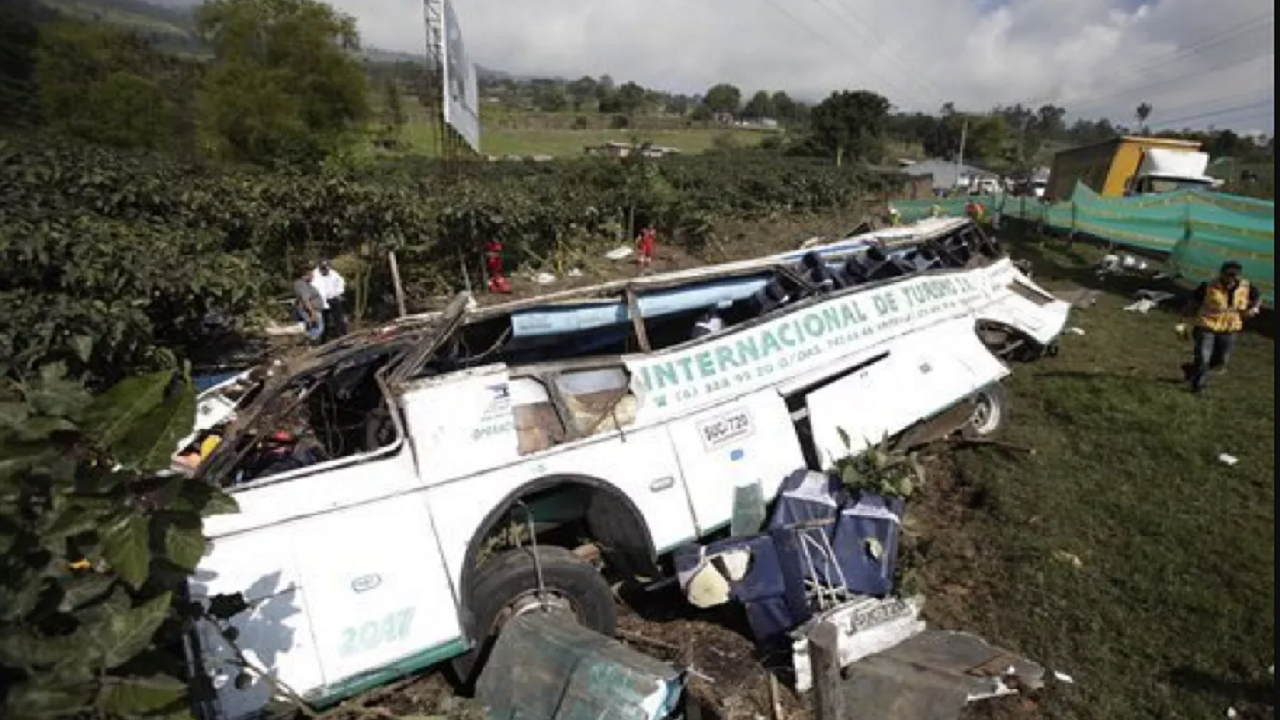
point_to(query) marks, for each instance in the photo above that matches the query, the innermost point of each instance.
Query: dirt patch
(729, 676)
(731, 241)
(427, 696)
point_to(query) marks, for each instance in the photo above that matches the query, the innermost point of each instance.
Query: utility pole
(964, 137)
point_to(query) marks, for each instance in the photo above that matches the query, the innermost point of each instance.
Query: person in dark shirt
(1220, 309)
(308, 304)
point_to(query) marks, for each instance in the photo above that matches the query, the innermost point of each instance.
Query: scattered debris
(273, 329)
(546, 667)
(1079, 298)
(1155, 296)
(1228, 460)
(1069, 558)
(853, 632)
(1114, 264)
(1142, 306)
(930, 676)
(544, 278)
(618, 254)
(575, 273)
(1148, 299)
(1063, 678)
(1075, 331)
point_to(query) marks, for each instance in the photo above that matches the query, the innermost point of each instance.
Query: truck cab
(1165, 171)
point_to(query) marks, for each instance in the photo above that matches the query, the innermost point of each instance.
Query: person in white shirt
(331, 287)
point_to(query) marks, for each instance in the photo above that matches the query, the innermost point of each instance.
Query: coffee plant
(141, 251)
(95, 546)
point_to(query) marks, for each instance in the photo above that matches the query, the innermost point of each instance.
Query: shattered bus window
(598, 400)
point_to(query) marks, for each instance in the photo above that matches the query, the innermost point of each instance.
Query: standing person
(332, 287)
(308, 305)
(498, 282)
(1219, 308)
(646, 245)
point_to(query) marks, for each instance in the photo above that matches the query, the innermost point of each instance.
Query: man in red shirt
(646, 245)
(498, 282)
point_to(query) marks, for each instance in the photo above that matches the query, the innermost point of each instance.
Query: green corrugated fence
(1197, 230)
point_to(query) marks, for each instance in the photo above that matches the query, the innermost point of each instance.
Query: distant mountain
(171, 23)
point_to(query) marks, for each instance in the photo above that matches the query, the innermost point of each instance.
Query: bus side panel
(274, 635)
(376, 586)
(923, 375)
(324, 552)
(742, 441)
(639, 463)
(274, 632)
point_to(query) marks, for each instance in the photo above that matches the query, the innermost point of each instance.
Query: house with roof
(948, 175)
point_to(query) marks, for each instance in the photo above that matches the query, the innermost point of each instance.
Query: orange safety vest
(1222, 310)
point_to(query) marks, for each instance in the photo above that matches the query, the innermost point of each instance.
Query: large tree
(630, 98)
(582, 91)
(760, 106)
(283, 84)
(107, 85)
(1143, 114)
(851, 125)
(724, 98)
(783, 106)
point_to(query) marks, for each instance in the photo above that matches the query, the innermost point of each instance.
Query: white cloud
(1100, 57)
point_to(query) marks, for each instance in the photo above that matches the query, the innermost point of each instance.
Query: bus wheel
(507, 586)
(990, 413)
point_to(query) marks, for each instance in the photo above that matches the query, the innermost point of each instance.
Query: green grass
(417, 138)
(1170, 613)
(512, 132)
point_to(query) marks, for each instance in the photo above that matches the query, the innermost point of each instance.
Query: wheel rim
(986, 415)
(549, 601)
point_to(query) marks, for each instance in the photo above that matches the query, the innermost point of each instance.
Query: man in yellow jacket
(1220, 309)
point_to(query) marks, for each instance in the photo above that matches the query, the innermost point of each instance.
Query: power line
(818, 35)
(1182, 53)
(1232, 33)
(1211, 103)
(887, 79)
(888, 50)
(1148, 88)
(1268, 103)
(801, 23)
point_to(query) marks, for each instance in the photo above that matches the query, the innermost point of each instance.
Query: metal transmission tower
(432, 95)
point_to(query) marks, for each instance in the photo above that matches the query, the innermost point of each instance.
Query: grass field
(1123, 552)
(417, 138)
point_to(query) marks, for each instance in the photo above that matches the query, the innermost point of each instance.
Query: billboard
(461, 101)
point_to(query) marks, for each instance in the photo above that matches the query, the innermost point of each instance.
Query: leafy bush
(94, 548)
(879, 470)
(140, 251)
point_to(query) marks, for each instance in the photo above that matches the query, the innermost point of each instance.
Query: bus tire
(507, 586)
(990, 413)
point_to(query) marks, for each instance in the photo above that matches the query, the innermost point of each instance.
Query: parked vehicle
(405, 491)
(1130, 166)
(985, 186)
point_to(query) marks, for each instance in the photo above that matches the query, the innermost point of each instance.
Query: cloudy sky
(1198, 62)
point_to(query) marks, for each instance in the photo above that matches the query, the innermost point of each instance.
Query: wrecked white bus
(404, 492)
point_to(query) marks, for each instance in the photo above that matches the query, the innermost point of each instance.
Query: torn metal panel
(546, 667)
(933, 676)
(854, 631)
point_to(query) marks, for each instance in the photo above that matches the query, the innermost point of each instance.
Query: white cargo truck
(1163, 170)
(406, 491)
